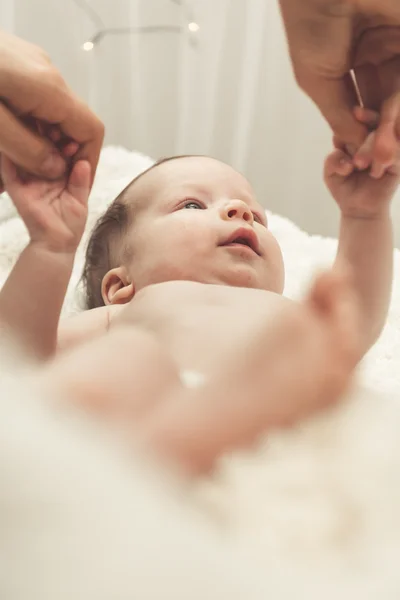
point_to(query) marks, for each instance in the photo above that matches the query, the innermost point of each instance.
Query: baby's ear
(116, 287)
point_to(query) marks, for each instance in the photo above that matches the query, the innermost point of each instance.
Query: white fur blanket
(313, 513)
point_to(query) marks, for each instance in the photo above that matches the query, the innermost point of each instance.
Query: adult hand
(32, 90)
(330, 38)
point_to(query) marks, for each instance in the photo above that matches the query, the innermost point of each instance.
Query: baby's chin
(241, 275)
(248, 278)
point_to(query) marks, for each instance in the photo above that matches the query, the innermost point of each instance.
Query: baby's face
(198, 220)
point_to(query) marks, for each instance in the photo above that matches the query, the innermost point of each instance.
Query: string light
(96, 39)
(88, 46)
(103, 31)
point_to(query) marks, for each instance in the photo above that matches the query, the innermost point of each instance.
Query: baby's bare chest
(199, 323)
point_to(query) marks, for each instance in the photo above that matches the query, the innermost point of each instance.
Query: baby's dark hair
(104, 250)
(101, 252)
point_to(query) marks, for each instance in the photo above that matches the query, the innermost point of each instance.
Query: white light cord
(103, 30)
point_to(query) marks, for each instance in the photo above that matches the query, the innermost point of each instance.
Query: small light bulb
(88, 46)
(193, 27)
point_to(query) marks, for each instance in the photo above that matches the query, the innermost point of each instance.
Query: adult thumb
(26, 149)
(387, 8)
(336, 99)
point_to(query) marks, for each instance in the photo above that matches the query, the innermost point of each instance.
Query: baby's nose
(236, 209)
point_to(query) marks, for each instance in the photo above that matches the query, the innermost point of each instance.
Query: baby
(183, 268)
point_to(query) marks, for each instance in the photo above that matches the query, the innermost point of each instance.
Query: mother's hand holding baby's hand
(330, 38)
(54, 212)
(31, 88)
(364, 192)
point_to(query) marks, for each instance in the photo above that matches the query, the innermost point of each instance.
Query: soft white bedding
(312, 513)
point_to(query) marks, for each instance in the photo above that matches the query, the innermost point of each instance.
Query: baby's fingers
(338, 163)
(79, 181)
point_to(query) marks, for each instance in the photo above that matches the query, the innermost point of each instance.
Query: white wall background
(233, 96)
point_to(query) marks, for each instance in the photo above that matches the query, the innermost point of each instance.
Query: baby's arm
(55, 216)
(367, 246)
(32, 298)
(366, 239)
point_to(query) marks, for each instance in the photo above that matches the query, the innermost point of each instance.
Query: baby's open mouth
(244, 237)
(241, 241)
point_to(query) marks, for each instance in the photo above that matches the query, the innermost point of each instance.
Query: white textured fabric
(82, 519)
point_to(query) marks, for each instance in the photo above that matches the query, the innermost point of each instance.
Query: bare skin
(300, 365)
(55, 215)
(32, 93)
(199, 323)
(209, 300)
(327, 40)
(330, 38)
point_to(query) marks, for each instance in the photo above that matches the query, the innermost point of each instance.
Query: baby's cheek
(199, 238)
(276, 265)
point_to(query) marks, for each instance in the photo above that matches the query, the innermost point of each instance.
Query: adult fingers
(363, 158)
(77, 122)
(387, 8)
(67, 147)
(365, 154)
(8, 172)
(320, 38)
(82, 126)
(377, 83)
(381, 149)
(70, 149)
(336, 100)
(46, 97)
(370, 118)
(27, 149)
(387, 137)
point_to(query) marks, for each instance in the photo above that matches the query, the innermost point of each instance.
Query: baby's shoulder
(85, 325)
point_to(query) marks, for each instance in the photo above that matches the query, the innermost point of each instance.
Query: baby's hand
(364, 184)
(357, 192)
(54, 212)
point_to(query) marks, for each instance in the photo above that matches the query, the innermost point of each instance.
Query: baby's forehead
(185, 173)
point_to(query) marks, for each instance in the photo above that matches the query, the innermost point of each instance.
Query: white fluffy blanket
(313, 513)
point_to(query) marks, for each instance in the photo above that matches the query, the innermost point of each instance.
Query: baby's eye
(193, 204)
